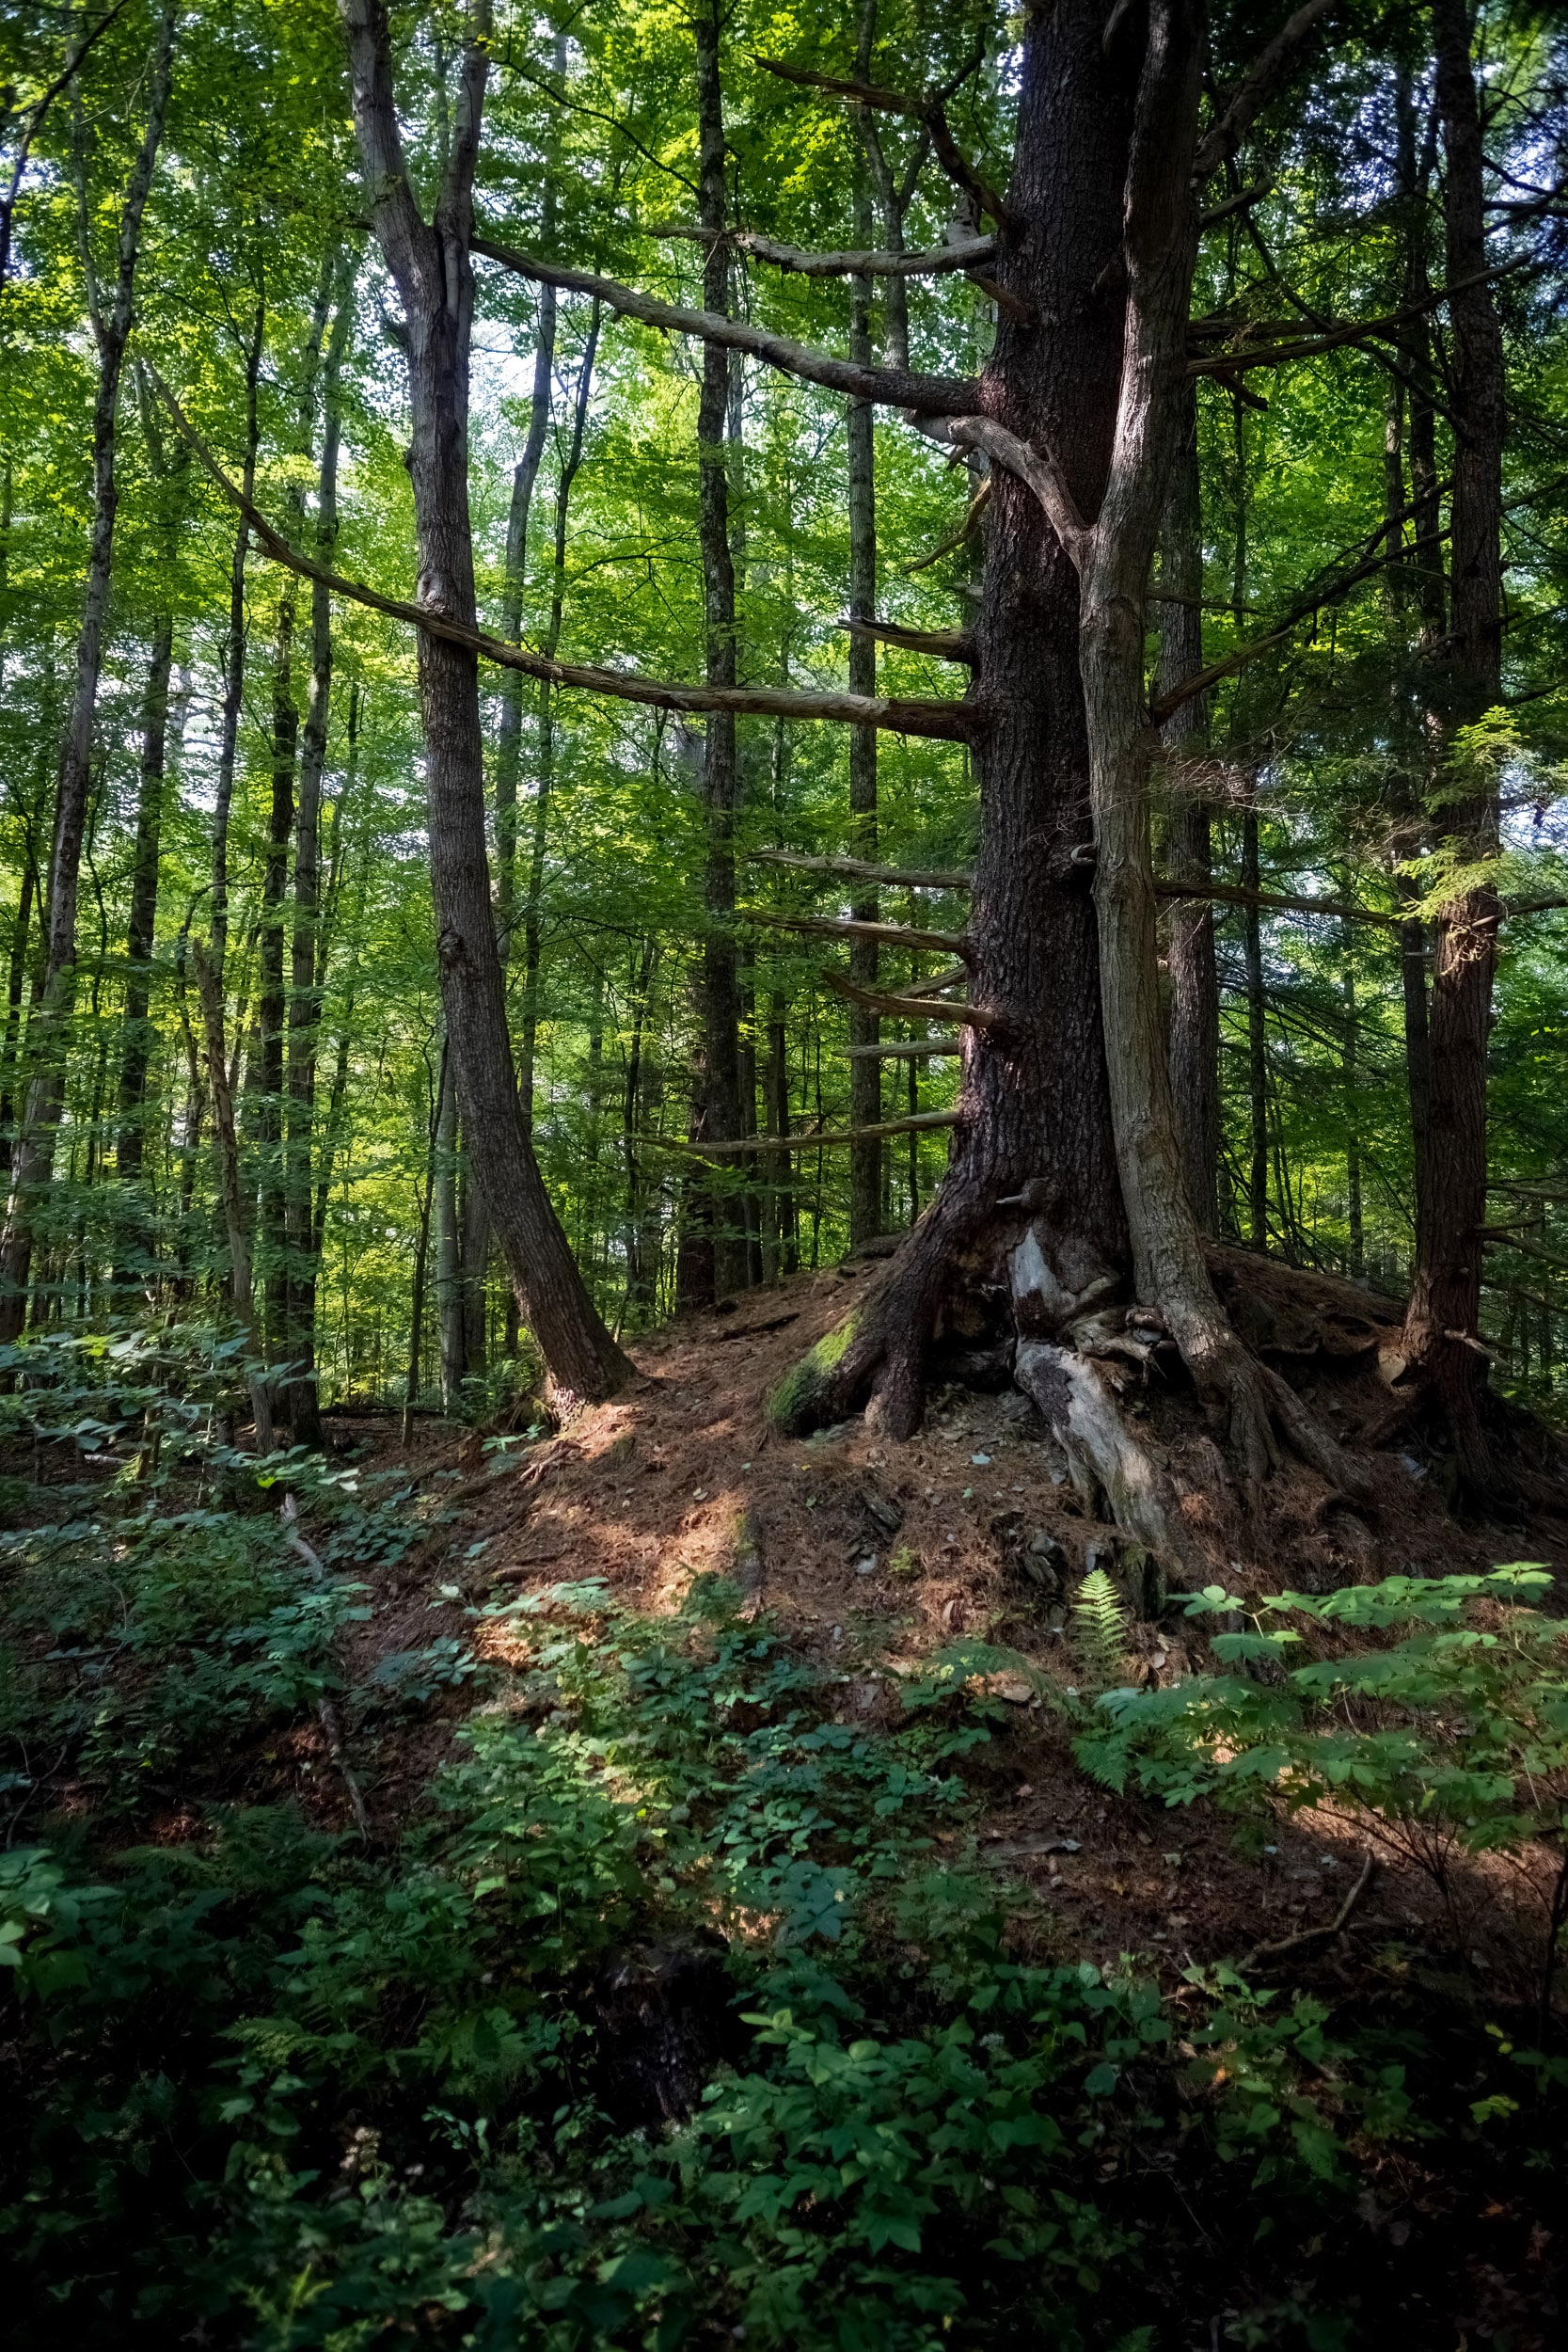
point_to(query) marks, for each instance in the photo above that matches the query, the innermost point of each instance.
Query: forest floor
(871, 1562)
(872, 1556)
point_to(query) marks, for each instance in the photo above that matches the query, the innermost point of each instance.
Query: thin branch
(1269, 74)
(969, 253)
(898, 387)
(972, 513)
(848, 927)
(1316, 1935)
(1351, 331)
(929, 111)
(36, 113)
(937, 720)
(859, 870)
(917, 1123)
(1240, 202)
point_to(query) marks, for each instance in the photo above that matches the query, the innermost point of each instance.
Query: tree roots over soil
(1056, 1321)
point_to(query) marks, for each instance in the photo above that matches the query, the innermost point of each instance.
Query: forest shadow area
(662, 1883)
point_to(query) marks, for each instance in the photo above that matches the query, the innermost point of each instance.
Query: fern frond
(1100, 1623)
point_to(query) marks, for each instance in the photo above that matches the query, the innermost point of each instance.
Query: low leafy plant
(1099, 1633)
(1451, 1740)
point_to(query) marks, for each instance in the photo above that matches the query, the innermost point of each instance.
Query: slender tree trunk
(533, 912)
(234, 656)
(716, 1106)
(865, 1071)
(49, 1030)
(1194, 1013)
(1442, 1331)
(1354, 1219)
(449, 1245)
(434, 278)
(309, 945)
(421, 1259)
(272, 1004)
(210, 990)
(1258, 1044)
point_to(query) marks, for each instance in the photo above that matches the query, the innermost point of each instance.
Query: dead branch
(919, 1050)
(829, 1139)
(859, 869)
(972, 513)
(1269, 74)
(1237, 203)
(851, 927)
(937, 261)
(946, 644)
(1336, 1926)
(911, 1007)
(899, 388)
(1038, 471)
(928, 110)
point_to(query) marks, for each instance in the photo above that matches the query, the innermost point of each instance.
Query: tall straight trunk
(137, 1035)
(1256, 1044)
(1357, 1262)
(431, 267)
(272, 1004)
(449, 1243)
(1195, 993)
(1416, 590)
(209, 989)
(1442, 1329)
(421, 1260)
(525, 475)
(865, 1071)
(234, 652)
(49, 1031)
(308, 944)
(534, 911)
(715, 1104)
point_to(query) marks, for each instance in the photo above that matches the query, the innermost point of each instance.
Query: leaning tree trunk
(865, 1071)
(1442, 1334)
(48, 1035)
(431, 267)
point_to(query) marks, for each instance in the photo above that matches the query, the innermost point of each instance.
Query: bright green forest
(890, 683)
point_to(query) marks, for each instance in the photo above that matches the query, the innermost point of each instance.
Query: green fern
(1098, 1633)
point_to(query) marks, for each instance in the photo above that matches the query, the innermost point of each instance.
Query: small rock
(866, 1566)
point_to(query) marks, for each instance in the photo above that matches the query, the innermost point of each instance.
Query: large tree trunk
(1036, 1112)
(48, 1035)
(433, 275)
(1442, 1336)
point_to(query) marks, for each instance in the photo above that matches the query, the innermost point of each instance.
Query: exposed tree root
(1077, 1341)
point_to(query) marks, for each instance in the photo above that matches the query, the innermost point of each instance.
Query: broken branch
(861, 869)
(937, 261)
(845, 927)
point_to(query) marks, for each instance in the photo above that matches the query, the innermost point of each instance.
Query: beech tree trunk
(48, 1033)
(430, 264)
(1442, 1331)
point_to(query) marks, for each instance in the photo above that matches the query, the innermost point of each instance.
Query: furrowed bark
(430, 264)
(1442, 1329)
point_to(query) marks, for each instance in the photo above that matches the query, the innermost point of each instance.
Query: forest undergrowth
(396, 1952)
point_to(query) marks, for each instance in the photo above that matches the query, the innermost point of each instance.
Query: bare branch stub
(930, 111)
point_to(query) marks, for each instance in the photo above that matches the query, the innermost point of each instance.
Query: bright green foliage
(1453, 1737)
(1099, 1624)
